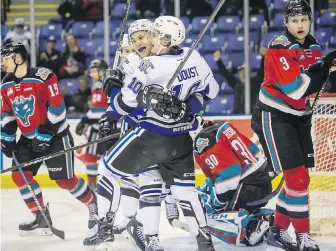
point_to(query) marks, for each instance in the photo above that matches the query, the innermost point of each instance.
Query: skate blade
(36, 232)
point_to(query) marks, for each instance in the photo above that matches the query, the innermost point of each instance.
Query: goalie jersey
(226, 156)
(30, 102)
(285, 82)
(195, 79)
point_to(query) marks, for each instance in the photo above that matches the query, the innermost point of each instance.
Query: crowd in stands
(68, 43)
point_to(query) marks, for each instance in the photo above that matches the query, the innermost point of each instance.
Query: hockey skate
(306, 243)
(279, 239)
(104, 233)
(135, 235)
(255, 232)
(153, 243)
(93, 216)
(38, 226)
(204, 241)
(172, 212)
(121, 227)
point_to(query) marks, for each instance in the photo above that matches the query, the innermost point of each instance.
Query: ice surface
(71, 216)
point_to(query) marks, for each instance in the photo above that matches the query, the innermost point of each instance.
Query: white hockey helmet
(125, 41)
(170, 26)
(140, 25)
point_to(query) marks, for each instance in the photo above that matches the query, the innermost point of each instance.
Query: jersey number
(285, 66)
(211, 161)
(54, 91)
(135, 85)
(96, 98)
(243, 151)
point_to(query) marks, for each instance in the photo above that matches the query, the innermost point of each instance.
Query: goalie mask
(171, 31)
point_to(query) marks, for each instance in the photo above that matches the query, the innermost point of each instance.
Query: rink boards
(242, 123)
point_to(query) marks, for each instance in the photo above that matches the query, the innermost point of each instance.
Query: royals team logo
(24, 108)
(201, 143)
(145, 65)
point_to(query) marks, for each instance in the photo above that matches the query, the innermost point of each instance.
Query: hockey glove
(107, 125)
(165, 104)
(329, 60)
(8, 144)
(42, 140)
(82, 126)
(112, 79)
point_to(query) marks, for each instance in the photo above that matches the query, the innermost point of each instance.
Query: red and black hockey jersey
(32, 101)
(99, 102)
(285, 83)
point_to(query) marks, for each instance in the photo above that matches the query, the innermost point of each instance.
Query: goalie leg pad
(192, 208)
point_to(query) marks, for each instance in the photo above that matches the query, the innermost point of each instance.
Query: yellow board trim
(37, 22)
(45, 181)
(37, 14)
(36, 6)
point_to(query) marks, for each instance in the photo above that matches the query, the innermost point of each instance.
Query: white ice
(71, 216)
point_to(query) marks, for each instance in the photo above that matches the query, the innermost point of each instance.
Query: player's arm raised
(8, 127)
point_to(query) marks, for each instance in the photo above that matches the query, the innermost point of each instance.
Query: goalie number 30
(211, 161)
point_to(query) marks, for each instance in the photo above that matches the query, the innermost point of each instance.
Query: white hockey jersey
(196, 78)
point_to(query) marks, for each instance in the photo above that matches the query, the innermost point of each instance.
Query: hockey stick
(58, 233)
(267, 197)
(53, 155)
(121, 36)
(195, 43)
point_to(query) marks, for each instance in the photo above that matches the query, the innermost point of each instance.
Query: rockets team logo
(24, 108)
(201, 143)
(43, 73)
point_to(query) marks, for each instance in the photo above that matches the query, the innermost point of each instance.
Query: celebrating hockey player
(294, 70)
(32, 101)
(237, 173)
(162, 133)
(91, 118)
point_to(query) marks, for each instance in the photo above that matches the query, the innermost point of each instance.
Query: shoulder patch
(145, 65)
(229, 132)
(280, 40)
(43, 73)
(201, 143)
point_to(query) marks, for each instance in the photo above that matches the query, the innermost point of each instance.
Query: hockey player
(237, 173)
(294, 70)
(32, 101)
(126, 49)
(162, 135)
(91, 118)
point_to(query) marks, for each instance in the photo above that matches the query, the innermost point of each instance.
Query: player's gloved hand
(112, 79)
(8, 144)
(107, 125)
(82, 126)
(42, 140)
(205, 187)
(329, 60)
(165, 104)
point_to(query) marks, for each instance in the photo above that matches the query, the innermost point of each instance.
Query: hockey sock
(78, 188)
(150, 208)
(281, 218)
(27, 195)
(108, 195)
(191, 205)
(129, 196)
(296, 198)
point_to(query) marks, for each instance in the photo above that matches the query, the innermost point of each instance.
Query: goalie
(237, 175)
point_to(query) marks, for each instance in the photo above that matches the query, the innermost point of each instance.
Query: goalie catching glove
(112, 79)
(164, 104)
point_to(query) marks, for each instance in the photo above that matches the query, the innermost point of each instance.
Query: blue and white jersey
(194, 82)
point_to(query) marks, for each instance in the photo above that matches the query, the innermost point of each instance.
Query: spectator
(93, 10)
(148, 8)
(50, 58)
(238, 84)
(70, 10)
(78, 102)
(73, 59)
(19, 34)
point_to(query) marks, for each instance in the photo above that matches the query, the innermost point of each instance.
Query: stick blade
(58, 233)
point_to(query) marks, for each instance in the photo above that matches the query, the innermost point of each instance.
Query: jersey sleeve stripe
(297, 88)
(57, 111)
(221, 129)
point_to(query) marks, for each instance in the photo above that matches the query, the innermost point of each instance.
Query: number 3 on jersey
(285, 66)
(211, 161)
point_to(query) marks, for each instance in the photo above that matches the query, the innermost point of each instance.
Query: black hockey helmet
(100, 65)
(14, 48)
(297, 7)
